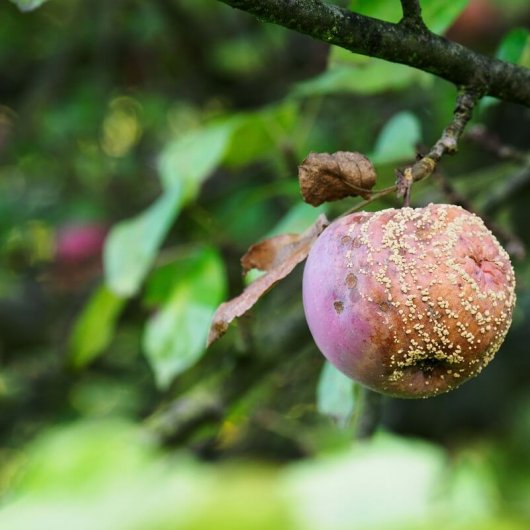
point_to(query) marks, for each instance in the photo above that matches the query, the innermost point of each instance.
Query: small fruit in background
(80, 243)
(78, 255)
(409, 302)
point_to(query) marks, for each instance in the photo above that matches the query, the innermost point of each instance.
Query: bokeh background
(143, 147)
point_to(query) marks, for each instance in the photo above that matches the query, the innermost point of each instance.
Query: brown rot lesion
(424, 232)
(384, 306)
(431, 365)
(351, 280)
(484, 270)
(338, 305)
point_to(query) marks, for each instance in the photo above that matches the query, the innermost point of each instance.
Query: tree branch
(510, 188)
(490, 142)
(411, 11)
(426, 165)
(447, 144)
(399, 43)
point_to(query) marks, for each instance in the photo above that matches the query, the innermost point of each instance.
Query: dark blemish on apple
(351, 280)
(384, 306)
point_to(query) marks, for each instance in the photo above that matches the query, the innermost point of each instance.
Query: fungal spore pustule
(410, 302)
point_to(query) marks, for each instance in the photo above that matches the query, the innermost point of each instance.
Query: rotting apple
(410, 302)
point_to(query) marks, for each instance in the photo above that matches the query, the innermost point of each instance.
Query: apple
(409, 302)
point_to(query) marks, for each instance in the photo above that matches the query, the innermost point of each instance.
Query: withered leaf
(329, 177)
(279, 256)
(269, 253)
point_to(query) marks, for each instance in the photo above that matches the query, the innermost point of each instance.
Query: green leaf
(352, 73)
(81, 457)
(100, 475)
(240, 56)
(347, 490)
(513, 45)
(362, 78)
(183, 166)
(28, 5)
(335, 394)
(298, 219)
(472, 490)
(190, 158)
(175, 337)
(158, 285)
(94, 328)
(397, 140)
(110, 476)
(514, 48)
(132, 245)
(438, 15)
(257, 134)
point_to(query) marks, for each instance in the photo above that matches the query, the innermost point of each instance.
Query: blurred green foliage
(177, 126)
(110, 474)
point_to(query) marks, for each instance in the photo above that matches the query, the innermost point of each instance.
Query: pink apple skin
(409, 302)
(78, 244)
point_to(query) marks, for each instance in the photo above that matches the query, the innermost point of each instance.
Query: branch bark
(490, 142)
(447, 144)
(425, 166)
(411, 11)
(399, 43)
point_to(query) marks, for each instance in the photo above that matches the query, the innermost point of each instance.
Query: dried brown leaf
(279, 261)
(269, 253)
(329, 177)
